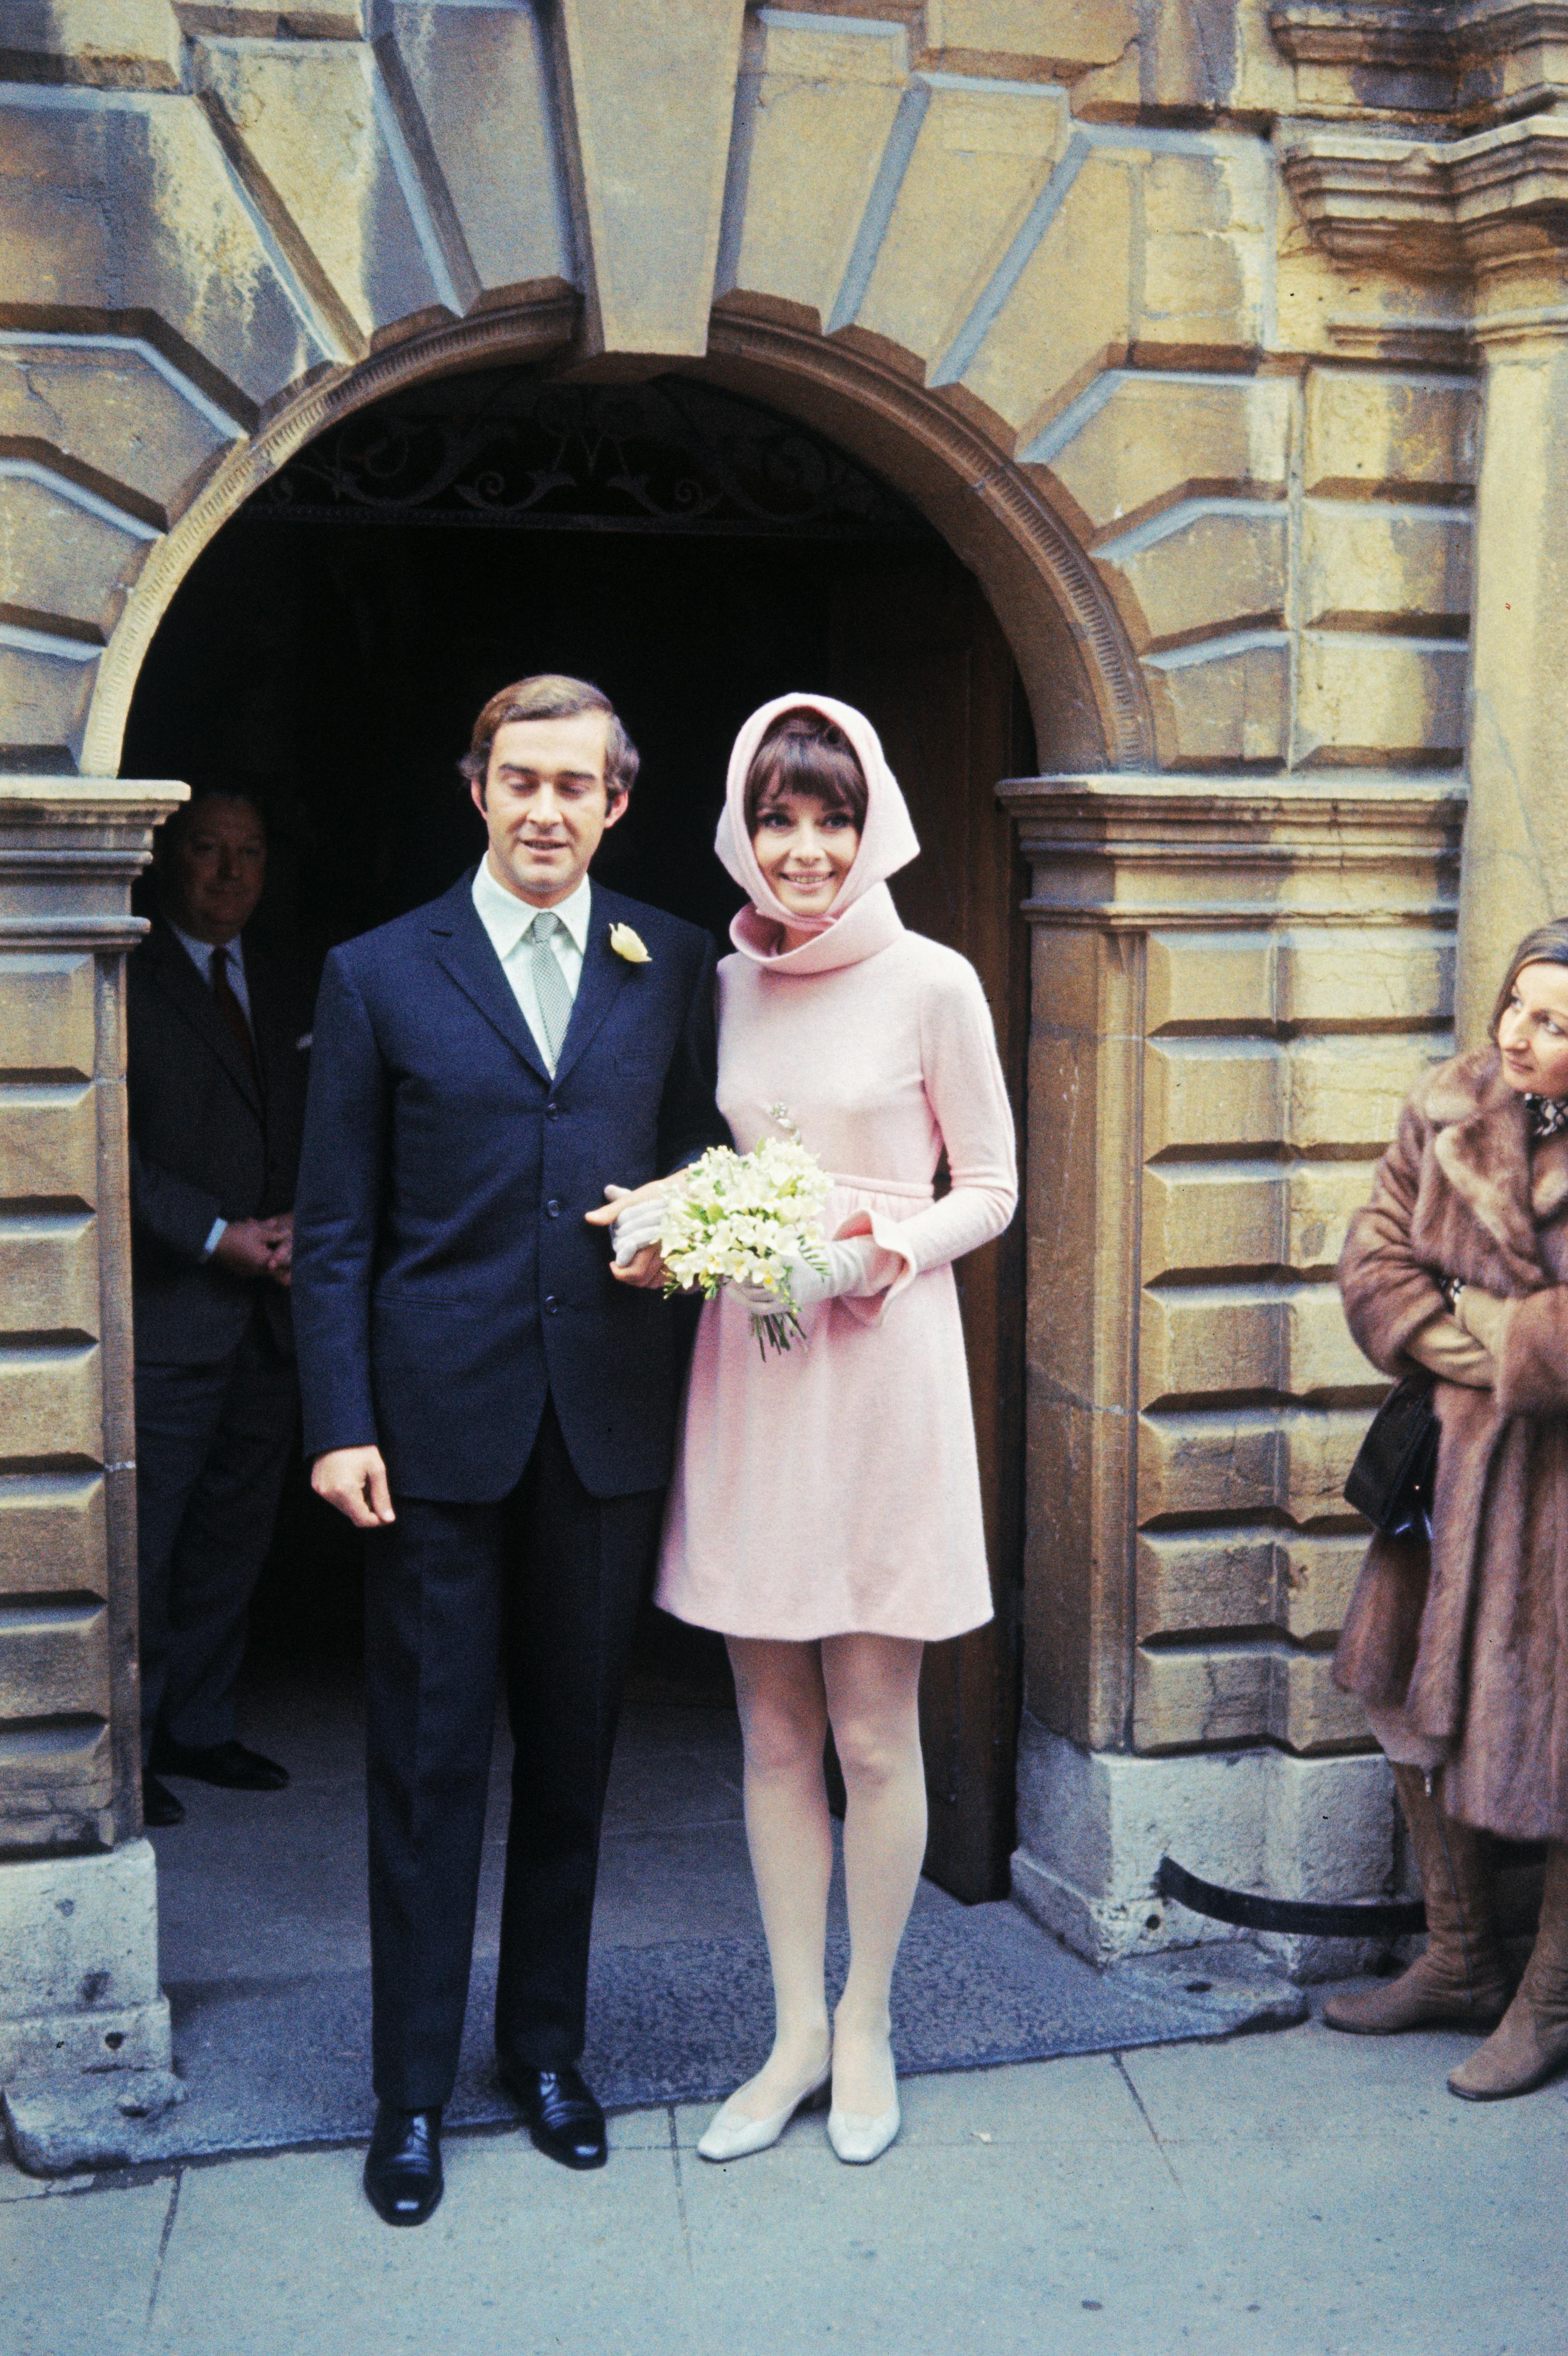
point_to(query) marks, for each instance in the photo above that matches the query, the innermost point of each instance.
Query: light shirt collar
(506, 918)
(200, 952)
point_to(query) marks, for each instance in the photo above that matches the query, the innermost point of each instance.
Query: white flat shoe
(732, 2135)
(858, 2138)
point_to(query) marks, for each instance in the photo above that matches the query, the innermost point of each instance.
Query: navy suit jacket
(206, 1143)
(444, 1282)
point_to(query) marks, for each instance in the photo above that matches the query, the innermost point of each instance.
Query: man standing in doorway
(486, 1400)
(215, 1082)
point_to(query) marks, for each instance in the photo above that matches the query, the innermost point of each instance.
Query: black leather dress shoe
(228, 1764)
(403, 2181)
(562, 2114)
(159, 1805)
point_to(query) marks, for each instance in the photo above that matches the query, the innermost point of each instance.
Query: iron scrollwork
(513, 452)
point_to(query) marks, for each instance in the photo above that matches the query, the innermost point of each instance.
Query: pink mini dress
(836, 1489)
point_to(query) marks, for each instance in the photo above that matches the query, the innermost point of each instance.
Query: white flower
(629, 945)
(739, 1218)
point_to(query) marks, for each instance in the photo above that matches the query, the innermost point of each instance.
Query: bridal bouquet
(741, 1219)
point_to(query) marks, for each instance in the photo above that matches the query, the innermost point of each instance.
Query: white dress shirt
(507, 920)
(200, 956)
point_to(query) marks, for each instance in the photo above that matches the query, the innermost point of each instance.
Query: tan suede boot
(1461, 1978)
(1531, 2040)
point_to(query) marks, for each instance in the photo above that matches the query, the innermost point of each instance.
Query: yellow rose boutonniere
(629, 945)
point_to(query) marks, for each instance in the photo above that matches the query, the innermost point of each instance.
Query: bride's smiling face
(804, 850)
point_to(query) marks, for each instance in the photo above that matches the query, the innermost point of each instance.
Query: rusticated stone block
(1287, 1459)
(1205, 253)
(1365, 698)
(51, 1401)
(1370, 564)
(301, 121)
(49, 1273)
(1196, 571)
(1204, 1580)
(651, 100)
(48, 1144)
(1200, 1342)
(1222, 702)
(1061, 322)
(1237, 1693)
(132, 43)
(1335, 978)
(817, 102)
(52, 1535)
(1215, 1215)
(1149, 441)
(128, 206)
(62, 557)
(1064, 32)
(480, 78)
(981, 158)
(43, 694)
(53, 1771)
(54, 1660)
(49, 1028)
(1368, 430)
(1219, 1092)
(79, 1935)
(110, 409)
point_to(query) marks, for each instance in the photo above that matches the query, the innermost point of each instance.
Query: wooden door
(919, 651)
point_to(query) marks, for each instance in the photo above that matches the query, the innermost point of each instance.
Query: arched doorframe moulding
(976, 495)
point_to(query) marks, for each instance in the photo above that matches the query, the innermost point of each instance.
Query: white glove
(640, 1225)
(847, 1271)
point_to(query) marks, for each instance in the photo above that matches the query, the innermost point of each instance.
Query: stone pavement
(1300, 2194)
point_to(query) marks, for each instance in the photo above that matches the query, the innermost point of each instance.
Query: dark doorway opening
(695, 555)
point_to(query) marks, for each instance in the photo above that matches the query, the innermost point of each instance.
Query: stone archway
(1043, 273)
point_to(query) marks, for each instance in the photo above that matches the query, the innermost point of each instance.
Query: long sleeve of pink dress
(836, 1488)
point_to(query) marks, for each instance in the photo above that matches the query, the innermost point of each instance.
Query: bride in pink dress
(824, 1513)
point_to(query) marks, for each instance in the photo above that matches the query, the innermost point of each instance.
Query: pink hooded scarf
(863, 918)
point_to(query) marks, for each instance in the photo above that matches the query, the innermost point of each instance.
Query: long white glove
(851, 1271)
(641, 1224)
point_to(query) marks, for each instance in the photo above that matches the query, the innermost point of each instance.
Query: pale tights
(867, 1688)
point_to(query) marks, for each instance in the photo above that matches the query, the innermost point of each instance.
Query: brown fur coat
(1473, 1642)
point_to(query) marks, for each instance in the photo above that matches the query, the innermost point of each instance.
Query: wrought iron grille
(512, 452)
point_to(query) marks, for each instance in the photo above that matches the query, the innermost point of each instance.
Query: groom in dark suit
(490, 1396)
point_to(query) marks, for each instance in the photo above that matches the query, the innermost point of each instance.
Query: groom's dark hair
(551, 696)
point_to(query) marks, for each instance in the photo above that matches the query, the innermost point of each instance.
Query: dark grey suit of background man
(216, 1079)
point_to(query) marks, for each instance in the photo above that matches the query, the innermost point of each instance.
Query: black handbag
(1394, 1475)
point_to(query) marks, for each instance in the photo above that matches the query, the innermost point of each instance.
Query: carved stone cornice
(1228, 851)
(1447, 208)
(71, 849)
(1471, 61)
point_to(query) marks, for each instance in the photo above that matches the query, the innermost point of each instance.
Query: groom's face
(546, 805)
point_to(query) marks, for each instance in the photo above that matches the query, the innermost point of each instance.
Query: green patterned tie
(552, 994)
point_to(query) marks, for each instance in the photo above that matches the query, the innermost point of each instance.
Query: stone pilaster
(77, 1906)
(1236, 982)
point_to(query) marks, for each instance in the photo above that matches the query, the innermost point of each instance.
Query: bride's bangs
(804, 753)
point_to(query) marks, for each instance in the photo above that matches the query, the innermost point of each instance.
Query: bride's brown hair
(804, 751)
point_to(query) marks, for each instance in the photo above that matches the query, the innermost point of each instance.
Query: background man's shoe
(403, 2181)
(561, 2113)
(159, 1805)
(231, 1765)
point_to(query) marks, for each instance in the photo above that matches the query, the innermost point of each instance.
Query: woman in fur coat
(1459, 1264)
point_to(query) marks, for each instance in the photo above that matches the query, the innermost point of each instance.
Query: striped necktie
(552, 992)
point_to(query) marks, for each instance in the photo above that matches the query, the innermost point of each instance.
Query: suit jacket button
(552, 1112)
(551, 1305)
(553, 1209)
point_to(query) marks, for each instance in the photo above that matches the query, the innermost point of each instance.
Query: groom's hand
(646, 1268)
(355, 1481)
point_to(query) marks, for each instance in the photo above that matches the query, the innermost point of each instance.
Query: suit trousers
(213, 1444)
(544, 1586)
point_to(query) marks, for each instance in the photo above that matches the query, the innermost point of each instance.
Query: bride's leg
(784, 1724)
(873, 1684)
